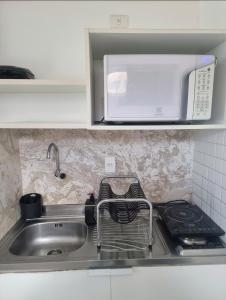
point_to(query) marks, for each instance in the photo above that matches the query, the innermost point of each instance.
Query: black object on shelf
(12, 72)
(123, 212)
(31, 206)
(90, 210)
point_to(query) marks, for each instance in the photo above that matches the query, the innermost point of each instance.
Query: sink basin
(60, 240)
(49, 238)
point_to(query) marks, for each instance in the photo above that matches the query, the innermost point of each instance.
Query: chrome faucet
(58, 172)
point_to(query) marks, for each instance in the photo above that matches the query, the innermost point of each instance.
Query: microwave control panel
(202, 105)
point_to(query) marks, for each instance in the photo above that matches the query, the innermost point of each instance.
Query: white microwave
(158, 87)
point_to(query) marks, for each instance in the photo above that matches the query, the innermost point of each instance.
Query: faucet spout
(58, 172)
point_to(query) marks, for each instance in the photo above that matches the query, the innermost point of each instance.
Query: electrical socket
(109, 164)
(119, 21)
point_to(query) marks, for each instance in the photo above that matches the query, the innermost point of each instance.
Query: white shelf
(158, 127)
(184, 41)
(19, 109)
(74, 125)
(41, 86)
(43, 125)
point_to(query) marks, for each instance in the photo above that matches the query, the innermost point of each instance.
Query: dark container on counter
(90, 210)
(31, 206)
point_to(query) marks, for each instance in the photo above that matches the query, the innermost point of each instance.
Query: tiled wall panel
(209, 174)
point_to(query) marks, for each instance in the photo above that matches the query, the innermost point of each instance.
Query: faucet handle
(59, 174)
(62, 175)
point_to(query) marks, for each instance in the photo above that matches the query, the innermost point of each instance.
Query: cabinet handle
(98, 272)
(121, 272)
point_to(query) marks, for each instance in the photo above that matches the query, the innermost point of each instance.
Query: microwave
(158, 87)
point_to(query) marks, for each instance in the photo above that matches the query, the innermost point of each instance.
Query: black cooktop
(185, 219)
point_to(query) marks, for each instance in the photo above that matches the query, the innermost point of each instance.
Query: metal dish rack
(124, 222)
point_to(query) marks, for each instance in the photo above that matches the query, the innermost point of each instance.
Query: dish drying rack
(124, 222)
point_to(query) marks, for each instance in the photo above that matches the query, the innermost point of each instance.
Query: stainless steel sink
(49, 238)
(60, 240)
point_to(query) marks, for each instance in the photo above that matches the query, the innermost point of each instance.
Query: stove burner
(184, 214)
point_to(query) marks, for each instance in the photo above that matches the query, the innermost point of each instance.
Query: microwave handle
(191, 95)
(195, 93)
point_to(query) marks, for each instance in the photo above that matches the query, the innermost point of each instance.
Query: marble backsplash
(10, 179)
(162, 160)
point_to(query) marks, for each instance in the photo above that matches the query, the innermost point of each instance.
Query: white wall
(212, 14)
(48, 36)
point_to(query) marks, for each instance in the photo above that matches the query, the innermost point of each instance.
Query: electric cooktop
(185, 219)
(190, 231)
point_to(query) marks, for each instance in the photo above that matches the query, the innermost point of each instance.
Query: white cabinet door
(170, 283)
(64, 285)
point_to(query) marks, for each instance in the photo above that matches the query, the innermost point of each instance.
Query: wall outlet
(119, 21)
(109, 164)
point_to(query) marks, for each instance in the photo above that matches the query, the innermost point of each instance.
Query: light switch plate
(119, 21)
(109, 164)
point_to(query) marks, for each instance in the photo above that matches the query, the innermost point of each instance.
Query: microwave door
(144, 93)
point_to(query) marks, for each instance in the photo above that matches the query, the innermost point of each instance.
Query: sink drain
(55, 252)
